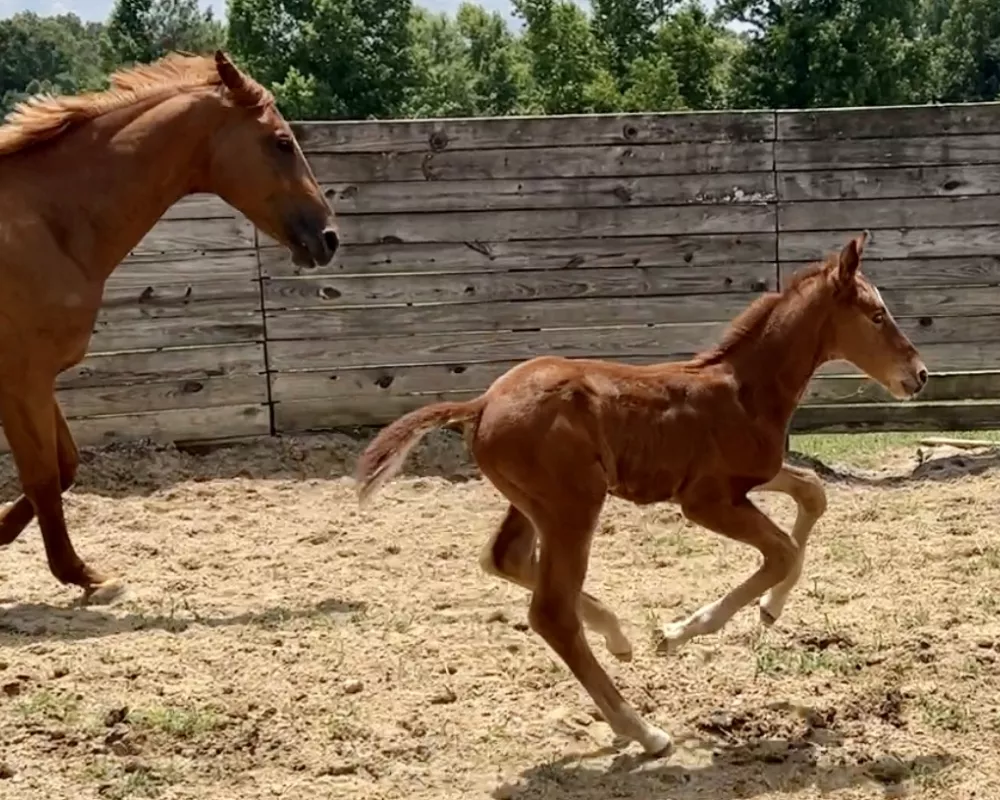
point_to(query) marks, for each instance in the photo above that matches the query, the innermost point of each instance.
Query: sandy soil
(278, 642)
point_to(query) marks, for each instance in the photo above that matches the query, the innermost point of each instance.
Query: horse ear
(850, 260)
(231, 76)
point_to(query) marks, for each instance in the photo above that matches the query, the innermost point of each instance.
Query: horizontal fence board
(377, 383)
(544, 162)
(579, 192)
(889, 183)
(914, 416)
(525, 132)
(201, 205)
(316, 414)
(652, 251)
(911, 212)
(894, 243)
(500, 316)
(163, 395)
(138, 272)
(178, 364)
(141, 332)
(909, 273)
(162, 297)
(462, 226)
(488, 287)
(196, 235)
(889, 122)
(892, 152)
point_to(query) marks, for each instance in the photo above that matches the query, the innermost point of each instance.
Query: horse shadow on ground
(736, 770)
(32, 622)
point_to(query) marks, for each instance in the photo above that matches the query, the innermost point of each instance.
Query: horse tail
(385, 454)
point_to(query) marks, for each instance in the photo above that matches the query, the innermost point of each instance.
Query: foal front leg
(807, 490)
(744, 522)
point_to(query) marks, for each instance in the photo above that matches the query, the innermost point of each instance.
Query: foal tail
(385, 454)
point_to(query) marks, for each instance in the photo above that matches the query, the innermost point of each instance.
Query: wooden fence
(471, 244)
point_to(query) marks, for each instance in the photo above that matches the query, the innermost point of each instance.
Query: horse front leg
(15, 518)
(44, 451)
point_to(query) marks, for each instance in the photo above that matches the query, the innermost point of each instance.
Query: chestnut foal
(556, 436)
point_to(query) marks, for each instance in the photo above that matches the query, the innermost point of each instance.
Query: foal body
(555, 436)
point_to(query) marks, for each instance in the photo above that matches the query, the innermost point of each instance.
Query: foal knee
(813, 497)
(782, 556)
(555, 619)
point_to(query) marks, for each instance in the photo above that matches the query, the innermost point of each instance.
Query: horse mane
(750, 323)
(45, 116)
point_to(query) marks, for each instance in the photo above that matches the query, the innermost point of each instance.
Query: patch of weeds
(46, 705)
(944, 714)
(179, 723)
(787, 659)
(131, 780)
(852, 555)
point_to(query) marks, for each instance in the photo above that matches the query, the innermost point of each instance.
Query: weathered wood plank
(163, 395)
(196, 235)
(312, 323)
(485, 287)
(897, 417)
(139, 332)
(163, 297)
(662, 342)
(570, 192)
(907, 273)
(201, 206)
(910, 212)
(584, 252)
(462, 226)
(179, 365)
(888, 183)
(138, 272)
(889, 122)
(542, 131)
(892, 152)
(930, 242)
(316, 414)
(949, 386)
(939, 357)
(545, 162)
(171, 426)
(929, 308)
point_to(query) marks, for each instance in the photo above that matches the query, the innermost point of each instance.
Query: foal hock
(555, 436)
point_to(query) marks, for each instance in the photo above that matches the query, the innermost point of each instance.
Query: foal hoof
(622, 650)
(767, 619)
(102, 594)
(658, 743)
(670, 640)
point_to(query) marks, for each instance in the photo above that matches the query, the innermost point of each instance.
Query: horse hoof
(670, 639)
(102, 594)
(658, 743)
(767, 617)
(620, 650)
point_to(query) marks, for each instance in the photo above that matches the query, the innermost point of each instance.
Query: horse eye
(285, 144)
(878, 317)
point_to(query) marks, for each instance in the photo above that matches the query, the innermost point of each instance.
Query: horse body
(556, 436)
(82, 181)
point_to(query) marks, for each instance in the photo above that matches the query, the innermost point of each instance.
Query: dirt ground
(278, 642)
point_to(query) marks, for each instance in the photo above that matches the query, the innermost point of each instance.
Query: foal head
(256, 165)
(862, 330)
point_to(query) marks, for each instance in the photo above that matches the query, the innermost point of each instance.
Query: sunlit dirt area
(276, 641)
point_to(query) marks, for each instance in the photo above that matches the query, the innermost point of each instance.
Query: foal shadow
(20, 622)
(743, 770)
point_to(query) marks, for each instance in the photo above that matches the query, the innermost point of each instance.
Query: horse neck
(153, 157)
(775, 368)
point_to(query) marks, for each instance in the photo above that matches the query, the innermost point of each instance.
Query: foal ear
(850, 259)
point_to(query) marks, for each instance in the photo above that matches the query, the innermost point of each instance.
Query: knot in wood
(384, 382)
(926, 322)
(629, 132)
(759, 285)
(438, 141)
(329, 293)
(192, 387)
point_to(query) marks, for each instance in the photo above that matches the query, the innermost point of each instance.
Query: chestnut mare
(555, 436)
(82, 180)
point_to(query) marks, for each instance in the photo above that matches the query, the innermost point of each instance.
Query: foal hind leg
(555, 615)
(510, 554)
(17, 515)
(34, 426)
(744, 522)
(807, 490)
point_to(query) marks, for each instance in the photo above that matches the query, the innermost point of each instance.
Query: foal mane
(750, 323)
(46, 116)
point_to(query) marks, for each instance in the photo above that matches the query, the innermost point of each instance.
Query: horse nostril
(922, 376)
(331, 239)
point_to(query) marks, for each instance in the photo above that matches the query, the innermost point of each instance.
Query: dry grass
(278, 642)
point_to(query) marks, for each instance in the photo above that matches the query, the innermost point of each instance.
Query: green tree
(697, 48)
(967, 47)
(331, 58)
(501, 72)
(444, 81)
(145, 30)
(625, 28)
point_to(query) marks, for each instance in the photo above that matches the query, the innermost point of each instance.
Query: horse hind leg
(555, 616)
(44, 452)
(16, 517)
(510, 554)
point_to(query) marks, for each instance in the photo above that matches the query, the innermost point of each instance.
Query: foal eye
(285, 144)
(878, 317)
